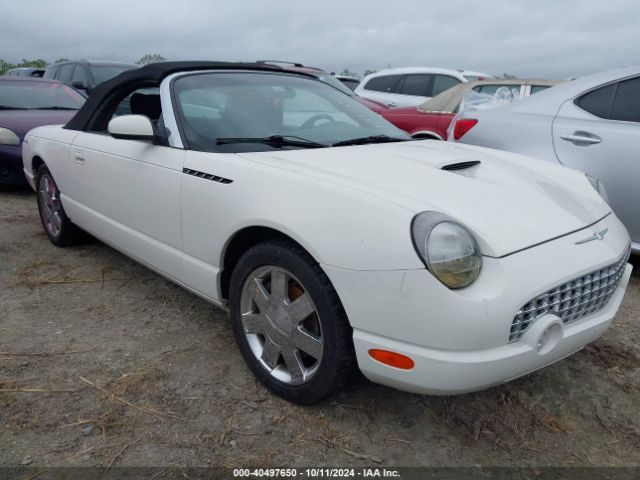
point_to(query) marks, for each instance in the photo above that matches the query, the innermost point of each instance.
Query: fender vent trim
(460, 165)
(207, 176)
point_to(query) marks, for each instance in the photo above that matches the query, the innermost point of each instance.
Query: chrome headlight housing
(447, 248)
(8, 137)
(598, 186)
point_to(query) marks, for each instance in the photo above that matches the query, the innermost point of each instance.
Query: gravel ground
(102, 362)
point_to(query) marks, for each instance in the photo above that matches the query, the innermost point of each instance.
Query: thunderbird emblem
(596, 236)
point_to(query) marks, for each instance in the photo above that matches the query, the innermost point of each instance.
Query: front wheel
(60, 230)
(289, 323)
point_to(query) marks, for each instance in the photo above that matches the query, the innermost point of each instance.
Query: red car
(329, 79)
(432, 119)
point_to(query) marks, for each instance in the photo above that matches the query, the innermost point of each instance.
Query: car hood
(510, 202)
(21, 121)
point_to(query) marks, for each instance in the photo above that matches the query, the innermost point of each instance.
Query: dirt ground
(103, 362)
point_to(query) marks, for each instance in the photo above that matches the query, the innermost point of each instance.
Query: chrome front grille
(572, 300)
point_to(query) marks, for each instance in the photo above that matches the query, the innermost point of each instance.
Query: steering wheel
(311, 122)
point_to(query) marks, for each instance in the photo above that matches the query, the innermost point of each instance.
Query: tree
(151, 58)
(38, 63)
(60, 60)
(6, 66)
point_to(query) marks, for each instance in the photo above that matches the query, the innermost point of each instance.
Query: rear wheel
(289, 323)
(60, 230)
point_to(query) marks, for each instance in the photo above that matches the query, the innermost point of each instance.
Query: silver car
(590, 124)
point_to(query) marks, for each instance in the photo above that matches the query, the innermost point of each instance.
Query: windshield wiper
(273, 140)
(54, 107)
(369, 139)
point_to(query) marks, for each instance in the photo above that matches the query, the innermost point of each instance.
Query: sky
(541, 38)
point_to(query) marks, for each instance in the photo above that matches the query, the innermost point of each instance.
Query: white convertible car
(335, 242)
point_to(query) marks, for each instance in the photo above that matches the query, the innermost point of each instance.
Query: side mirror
(132, 127)
(80, 86)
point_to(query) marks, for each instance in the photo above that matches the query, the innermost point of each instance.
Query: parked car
(591, 124)
(335, 241)
(351, 82)
(328, 79)
(25, 72)
(25, 103)
(410, 87)
(85, 75)
(432, 118)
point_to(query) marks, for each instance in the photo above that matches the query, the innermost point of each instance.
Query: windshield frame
(334, 82)
(176, 120)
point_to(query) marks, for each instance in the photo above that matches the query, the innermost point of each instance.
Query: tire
(58, 227)
(276, 332)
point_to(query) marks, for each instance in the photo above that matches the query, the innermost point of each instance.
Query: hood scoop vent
(460, 165)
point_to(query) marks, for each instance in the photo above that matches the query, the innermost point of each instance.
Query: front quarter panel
(337, 226)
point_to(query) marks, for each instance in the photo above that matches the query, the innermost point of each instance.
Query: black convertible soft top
(151, 74)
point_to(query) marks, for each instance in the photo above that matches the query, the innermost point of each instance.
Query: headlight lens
(598, 186)
(7, 137)
(447, 248)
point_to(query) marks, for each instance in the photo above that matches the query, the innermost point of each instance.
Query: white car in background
(412, 86)
(334, 240)
(591, 124)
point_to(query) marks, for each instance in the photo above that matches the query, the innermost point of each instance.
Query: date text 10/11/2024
(316, 473)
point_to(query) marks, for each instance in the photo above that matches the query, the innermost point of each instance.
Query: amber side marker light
(392, 359)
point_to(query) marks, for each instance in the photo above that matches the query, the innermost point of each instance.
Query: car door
(64, 73)
(412, 90)
(381, 89)
(599, 133)
(51, 72)
(442, 83)
(127, 192)
(80, 79)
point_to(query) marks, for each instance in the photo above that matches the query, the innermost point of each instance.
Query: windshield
(38, 95)
(214, 106)
(102, 73)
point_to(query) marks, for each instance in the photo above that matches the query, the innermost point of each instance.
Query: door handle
(78, 157)
(582, 138)
(392, 104)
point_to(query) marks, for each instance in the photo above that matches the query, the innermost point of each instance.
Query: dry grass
(609, 355)
(501, 418)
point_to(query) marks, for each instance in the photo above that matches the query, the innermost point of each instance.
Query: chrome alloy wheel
(50, 207)
(281, 325)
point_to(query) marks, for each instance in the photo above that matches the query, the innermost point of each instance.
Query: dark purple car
(26, 103)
